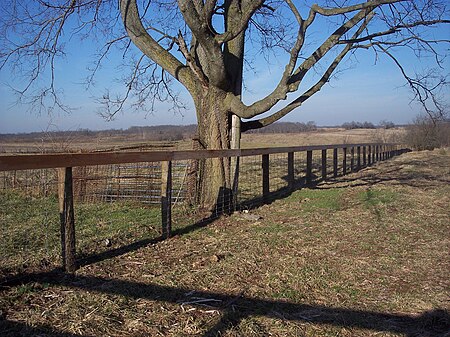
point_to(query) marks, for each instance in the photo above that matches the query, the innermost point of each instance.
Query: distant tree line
(368, 125)
(151, 133)
(287, 127)
(144, 133)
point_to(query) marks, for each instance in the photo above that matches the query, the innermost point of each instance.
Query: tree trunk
(215, 185)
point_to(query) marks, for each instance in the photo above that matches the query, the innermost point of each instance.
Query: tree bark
(215, 188)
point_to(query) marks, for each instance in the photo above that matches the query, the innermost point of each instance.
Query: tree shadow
(235, 308)
(19, 329)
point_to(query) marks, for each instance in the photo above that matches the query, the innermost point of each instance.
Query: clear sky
(364, 92)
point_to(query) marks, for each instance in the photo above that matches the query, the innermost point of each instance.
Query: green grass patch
(318, 199)
(30, 227)
(120, 222)
(272, 228)
(374, 197)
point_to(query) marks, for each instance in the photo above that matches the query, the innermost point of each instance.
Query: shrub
(386, 124)
(426, 133)
(358, 125)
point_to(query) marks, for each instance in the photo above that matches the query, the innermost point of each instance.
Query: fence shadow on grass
(393, 176)
(109, 254)
(18, 329)
(223, 207)
(235, 308)
(220, 209)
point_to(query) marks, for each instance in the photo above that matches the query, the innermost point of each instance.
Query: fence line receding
(172, 177)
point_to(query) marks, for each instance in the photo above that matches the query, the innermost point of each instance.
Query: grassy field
(362, 255)
(323, 136)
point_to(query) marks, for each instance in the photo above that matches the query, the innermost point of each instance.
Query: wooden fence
(361, 155)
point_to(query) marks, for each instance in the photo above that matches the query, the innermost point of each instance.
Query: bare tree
(202, 45)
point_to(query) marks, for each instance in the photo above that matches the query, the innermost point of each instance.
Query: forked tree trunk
(215, 187)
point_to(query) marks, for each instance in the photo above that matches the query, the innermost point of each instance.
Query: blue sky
(365, 92)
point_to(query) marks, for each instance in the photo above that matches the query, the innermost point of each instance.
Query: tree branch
(238, 27)
(200, 28)
(290, 83)
(150, 47)
(312, 90)
(394, 30)
(423, 90)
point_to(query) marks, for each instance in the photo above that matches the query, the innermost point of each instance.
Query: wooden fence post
(308, 167)
(364, 156)
(352, 159)
(67, 219)
(358, 160)
(192, 174)
(344, 162)
(324, 164)
(335, 162)
(166, 198)
(290, 177)
(265, 177)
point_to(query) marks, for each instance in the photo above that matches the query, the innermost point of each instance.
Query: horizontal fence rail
(167, 177)
(41, 161)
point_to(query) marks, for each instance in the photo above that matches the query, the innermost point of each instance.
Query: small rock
(108, 243)
(214, 258)
(251, 217)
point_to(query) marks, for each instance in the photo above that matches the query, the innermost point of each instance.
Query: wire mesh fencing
(278, 173)
(29, 219)
(250, 180)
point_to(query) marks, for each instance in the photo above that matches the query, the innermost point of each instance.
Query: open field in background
(362, 255)
(112, 142)
(88, 145)
(323, 136)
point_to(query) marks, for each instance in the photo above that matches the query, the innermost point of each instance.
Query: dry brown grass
(364, 255)
(322, 136)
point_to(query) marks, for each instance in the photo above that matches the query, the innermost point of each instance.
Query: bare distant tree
(202, 45)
